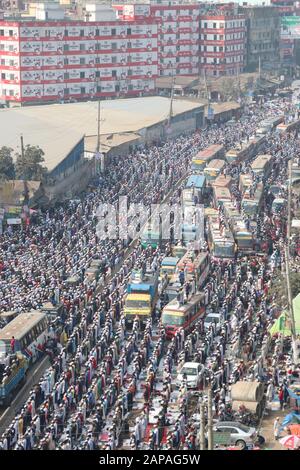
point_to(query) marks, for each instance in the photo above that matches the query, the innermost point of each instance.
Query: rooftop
(56, 128)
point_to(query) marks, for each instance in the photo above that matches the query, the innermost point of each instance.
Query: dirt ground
(267, 429)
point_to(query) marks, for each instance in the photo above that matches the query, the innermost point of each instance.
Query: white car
(216, 318)
(193, 373)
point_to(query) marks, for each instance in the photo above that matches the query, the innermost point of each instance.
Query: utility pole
(210, 421)
(171, 102)
(22, 148)
(287, 267)
(202, 426)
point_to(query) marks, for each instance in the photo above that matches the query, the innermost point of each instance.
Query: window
(221, 48)
(113, 32)
(130, 87)
(129, 46)
(221, 25)
(1, 47)
(66, 47)
(97, 73)
(214, 25)
(82, 32)
(97, 32)
(82, 90)
(82, 74)
(114, 60)
(2, 61)
(11, 76)
(10, 32)
(117, 88)
(114, 73)
(11, 48)
(66, 91)
(205, 36)
(205, 25)
(66, 75)
(66, 61)
(66, 33)
(98, 89)
(82, 61)
(128, 31)
(82, 47)
(114, 45)
(97, 60)
(97, 46)
(221, 37)
(215, 37)
(3, 76)
(215, 49)
(1, 32)
(129, 72)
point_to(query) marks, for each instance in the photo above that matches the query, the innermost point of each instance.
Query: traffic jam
(158, 342)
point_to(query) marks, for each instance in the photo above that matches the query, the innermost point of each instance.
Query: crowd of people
(85, 400)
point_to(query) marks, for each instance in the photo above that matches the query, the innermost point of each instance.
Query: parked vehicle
(193, 373)
(240, 435)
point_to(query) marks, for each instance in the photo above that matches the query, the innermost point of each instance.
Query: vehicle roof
(192, 364)
(231, 423)
(195, 180)
(170, 260)
(20, 325)
(135, 296)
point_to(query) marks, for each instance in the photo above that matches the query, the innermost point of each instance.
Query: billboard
(290, 27)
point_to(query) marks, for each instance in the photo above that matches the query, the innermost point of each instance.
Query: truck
(141, 295)
(18, 365)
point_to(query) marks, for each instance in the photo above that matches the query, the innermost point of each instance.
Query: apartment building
(77, 60)
(222, 41)
(178, 33)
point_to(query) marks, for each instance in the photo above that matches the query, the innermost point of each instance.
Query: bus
(202, 158)
(196, 266)
(168, 266)
(240, 154)
(214, 169)
(262, 165)
(220, 196)
(245, 183)
(289, 127)
(150, 237)
(221, 242)
(269, 124)
(196, 183)
(223, 181)
(243, 237)
(251, 204)
(30, 331)
(176, 316)
(179, 250)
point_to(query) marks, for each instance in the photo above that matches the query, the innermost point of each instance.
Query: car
(194, 372)
(240, 435)
(216, 318)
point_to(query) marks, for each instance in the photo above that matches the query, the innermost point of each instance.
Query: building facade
(222, 42)
(178, 33)
(263, 37)
(76, 60)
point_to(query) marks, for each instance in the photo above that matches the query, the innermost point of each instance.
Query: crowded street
(120, 379)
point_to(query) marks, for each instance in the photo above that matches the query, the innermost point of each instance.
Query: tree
(229, 88)
(29, 167)
(7, 167)
(279, 288)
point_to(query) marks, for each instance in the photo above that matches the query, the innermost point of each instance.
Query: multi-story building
(178, 33)
(263, 36)
(62, 60)
(222, 41)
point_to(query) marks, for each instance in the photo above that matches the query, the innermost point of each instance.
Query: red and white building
(222, 42)
(62, 60)
(178, 34)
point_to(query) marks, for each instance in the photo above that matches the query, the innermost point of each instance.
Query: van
(194, 374)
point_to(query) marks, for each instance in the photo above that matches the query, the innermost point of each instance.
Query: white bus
(30, 331)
